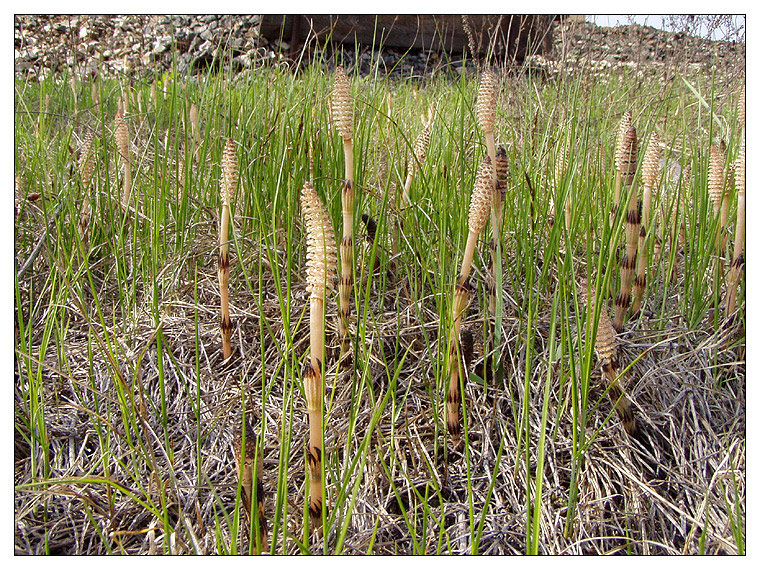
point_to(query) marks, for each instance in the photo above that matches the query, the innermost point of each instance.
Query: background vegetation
(126, 414)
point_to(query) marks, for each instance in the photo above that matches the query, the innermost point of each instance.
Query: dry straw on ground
(677, 487)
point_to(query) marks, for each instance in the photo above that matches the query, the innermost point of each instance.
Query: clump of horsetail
(650, 175)
(737, 261)
(245, 458)
(321, 262)
(227, 185)
(86, 167)
(621, 162)
(480, 205)
(343, 118)
(606, 350)
(716, 187)
(627, 171)
(121, 135)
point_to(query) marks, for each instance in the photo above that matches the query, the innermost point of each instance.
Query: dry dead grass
(649, 496)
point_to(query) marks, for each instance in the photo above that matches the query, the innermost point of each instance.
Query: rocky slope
(144, 44)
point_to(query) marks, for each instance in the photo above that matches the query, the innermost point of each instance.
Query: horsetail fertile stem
(486, 114)
(650, 174)
(321, 262)
(343, 117)
(480, 205)
(227, 186)
(625, 123)
(121, 134)
(502, 178)
(607, 354)
(245, 458)
(716, 187)
(737, 262)
(417, 157)
(627, 172)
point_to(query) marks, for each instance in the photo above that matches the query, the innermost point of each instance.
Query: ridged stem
(314, 400)
(224, 276)
(250, 468)
(346, 249)
(640, 281)
(454, 395)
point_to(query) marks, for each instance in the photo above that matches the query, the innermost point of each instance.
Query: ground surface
(678, 487)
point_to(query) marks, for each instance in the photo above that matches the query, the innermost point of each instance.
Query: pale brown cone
(342, 107)
(321, 251)
(715, 176)
(486, 106)
(480, 201)
(228, 183)
(650, 165)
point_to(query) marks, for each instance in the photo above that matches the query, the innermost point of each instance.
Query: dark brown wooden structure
(507, 37)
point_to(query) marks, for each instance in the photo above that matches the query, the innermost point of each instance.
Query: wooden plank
(513, 35)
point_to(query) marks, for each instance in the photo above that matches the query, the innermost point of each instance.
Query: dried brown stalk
(650, 175)
(606, 352)
(321, 262)
(228, 186)
(480, 206)
(627, 171)
(343, 117)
